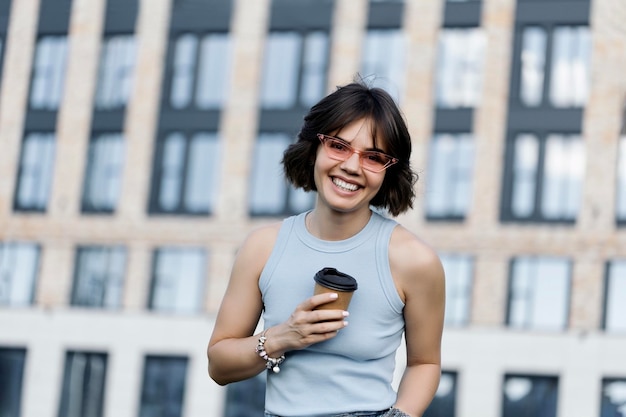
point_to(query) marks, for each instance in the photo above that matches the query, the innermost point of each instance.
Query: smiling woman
(353, 151)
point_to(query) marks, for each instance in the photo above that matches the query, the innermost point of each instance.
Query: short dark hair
(345, 105)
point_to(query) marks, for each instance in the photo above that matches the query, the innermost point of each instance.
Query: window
(294, 70)
(545, 179)
(83, 384)
(383, 60)
(525, 395)
(19, 264)
(615, 294)
(11, 380)
(178, 280)
(270, 194)
(115, 75)
(621, 183)
(48, 73)
(451, 164)
(458, 269)
(163, 389)
(460, 60)
(444, 401)
(99, 277)
(186, 174)
(613, 397)
(200, 71)
(103, 179)
(539, 293)
(35, 172)
(568, 73)
(246, 398)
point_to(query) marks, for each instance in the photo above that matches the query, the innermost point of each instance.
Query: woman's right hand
(306, 326)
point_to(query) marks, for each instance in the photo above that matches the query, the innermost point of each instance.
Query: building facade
(140, 142)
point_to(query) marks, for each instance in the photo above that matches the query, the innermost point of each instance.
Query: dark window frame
(83, 249)
(164, 361)
(506, 204)
(17, 207)
(14, 396)
(548, 379)
(509, 294)
(85, 206)
(302, 17)
(157, 177)
(543, 119)
(64, 396)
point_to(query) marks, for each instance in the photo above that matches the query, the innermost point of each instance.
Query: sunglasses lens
(340, 150)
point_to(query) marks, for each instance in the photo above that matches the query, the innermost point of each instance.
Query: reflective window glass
(19, 266)
(99, 277)
(281, 70)
(178, 280)
(186, 174)
(459, 272)
(620, 208)
(270, 194)
(570, 76)
(450, 174)
(546, 177)
(460, 61)
(35, 172)
(103, 179)
(12, 361)
(615, 294)
(19, 263)
(163, 387)
(526, 395)
(383, 61)
(613, 398)
(539, 291)
(48, 73)
(116, 72)
(83, 385)
(533, 61)
(201, 71)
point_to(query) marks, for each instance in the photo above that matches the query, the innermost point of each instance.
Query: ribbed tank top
(354, 370)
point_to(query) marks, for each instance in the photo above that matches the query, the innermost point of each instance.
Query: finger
(318, 316)
(318, 300)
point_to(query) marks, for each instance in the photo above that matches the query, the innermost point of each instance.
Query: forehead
(362, 131)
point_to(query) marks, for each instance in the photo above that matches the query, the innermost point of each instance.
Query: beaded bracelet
(395, 412)
(270, 363)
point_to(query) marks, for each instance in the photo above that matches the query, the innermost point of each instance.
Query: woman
(353, 150)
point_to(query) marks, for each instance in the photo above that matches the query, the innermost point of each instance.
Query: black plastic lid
(335, 280)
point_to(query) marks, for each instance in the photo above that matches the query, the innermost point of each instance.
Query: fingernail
(334, 295)
(345, 323)
(346, 314)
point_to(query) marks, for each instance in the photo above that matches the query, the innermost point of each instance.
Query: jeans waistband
(380, 413)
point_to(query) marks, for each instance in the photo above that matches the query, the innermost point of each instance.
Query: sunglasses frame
(390, 159)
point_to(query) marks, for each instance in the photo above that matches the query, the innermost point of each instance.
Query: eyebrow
(366, 149)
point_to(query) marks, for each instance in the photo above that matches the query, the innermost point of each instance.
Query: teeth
(346, 186)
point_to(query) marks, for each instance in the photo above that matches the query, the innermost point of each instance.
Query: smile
(344, 185)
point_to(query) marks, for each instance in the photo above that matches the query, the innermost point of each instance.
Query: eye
(339, 146)
(377, 157)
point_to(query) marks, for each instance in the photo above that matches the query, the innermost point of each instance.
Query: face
(346, 186)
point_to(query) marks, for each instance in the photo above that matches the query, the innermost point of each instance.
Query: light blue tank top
(354, 370)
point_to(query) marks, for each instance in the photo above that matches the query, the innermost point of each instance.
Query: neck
(334, 225)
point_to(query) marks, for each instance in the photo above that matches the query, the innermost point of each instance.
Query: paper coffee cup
(330, 280)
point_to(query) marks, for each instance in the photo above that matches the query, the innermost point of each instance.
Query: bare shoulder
(415, 265)
(258, 244)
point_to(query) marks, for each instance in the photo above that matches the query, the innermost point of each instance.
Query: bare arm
(231, 351)
(420, 279)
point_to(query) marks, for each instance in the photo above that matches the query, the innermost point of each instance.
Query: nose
(353, 163)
